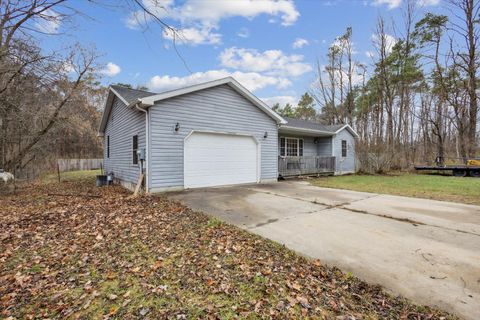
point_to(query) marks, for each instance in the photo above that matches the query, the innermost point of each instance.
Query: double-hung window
(344, 148)
(291, 147)
(134, 150)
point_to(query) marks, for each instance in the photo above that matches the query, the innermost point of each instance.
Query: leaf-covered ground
(112, 256)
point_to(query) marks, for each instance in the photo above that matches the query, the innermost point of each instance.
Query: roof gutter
(137, 104)
(306, 130)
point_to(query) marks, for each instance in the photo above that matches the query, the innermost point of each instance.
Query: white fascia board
(349, 129)
(119, 96)
(306, 130)
(103, 121)
(234, 84)
(108, 107)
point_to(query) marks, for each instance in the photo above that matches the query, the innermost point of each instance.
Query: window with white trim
(291, 147)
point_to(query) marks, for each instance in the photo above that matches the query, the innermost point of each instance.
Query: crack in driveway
(265, 223)
(408, 247)
(343, 205)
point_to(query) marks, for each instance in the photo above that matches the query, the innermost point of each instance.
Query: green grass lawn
(70, 176)
(430, 186)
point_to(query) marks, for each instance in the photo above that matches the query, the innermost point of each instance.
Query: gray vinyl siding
(322, 148)
(347, 164)
(219, 109)
(123, 123)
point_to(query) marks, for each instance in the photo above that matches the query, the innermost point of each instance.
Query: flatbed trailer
(457, 170)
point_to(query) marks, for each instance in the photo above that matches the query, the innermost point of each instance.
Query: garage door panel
(220, 159)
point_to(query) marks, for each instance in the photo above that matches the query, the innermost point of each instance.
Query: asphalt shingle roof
(303, 124)
(131, 95)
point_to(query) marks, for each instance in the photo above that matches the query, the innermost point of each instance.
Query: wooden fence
(79, 164)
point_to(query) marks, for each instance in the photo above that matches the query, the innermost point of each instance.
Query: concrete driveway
(425, 250)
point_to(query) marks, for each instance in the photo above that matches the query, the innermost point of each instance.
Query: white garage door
(213, 159)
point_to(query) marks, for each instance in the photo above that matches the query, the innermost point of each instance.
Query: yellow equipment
(473, 162)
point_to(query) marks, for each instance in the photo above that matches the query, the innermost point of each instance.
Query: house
(212, 134)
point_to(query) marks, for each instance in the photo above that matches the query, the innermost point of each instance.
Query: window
(108, 146)
(291, 147)
(344, 148)
(134, 149)
(282, 147)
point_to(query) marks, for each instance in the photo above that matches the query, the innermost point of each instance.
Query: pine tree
(306, 108)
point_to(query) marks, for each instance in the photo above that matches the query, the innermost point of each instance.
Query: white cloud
(340, 43)
(67, 67)
(208, 15)
(271, 62)
(299, 43)
(48, 22)
(389, 40)
(282, 100)
(160, 8)
(251, 80)
(392, 4)
(357, 77)
(193, 36)
(206, 12)
(243, 33)
(426, 3)
(111, 70)
(370, 54)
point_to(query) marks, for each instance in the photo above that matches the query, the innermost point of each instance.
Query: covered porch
(303, 151)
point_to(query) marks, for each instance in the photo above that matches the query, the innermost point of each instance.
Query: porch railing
(307, 165)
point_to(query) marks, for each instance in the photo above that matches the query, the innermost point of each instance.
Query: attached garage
(211, 134)
(217, 159)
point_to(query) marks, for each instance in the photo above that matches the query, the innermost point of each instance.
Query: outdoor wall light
(265, 135)
(177, 127)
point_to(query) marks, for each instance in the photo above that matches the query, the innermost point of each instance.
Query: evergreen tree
(288, 111)
(306, 108)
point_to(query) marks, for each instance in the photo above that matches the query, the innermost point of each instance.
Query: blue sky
(270, 46)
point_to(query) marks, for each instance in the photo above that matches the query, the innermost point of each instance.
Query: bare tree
(468, 29)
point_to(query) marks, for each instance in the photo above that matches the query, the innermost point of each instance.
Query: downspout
(147, 151)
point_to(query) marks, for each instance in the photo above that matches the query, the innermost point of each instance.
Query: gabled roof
(130, 95)
(127, 95)
(231, 82)
(145, 99)
(304, 125)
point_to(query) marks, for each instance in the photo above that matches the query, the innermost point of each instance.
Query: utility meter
(141, 154)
